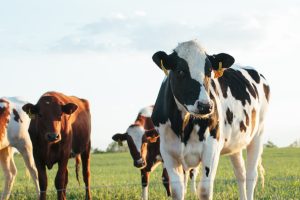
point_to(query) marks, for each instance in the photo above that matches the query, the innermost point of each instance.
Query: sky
(101, 50)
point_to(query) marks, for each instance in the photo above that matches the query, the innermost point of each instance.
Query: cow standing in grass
(14, 125)
(60, 128)
(207, 107)
(146, 155)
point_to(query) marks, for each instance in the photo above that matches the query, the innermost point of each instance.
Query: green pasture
(114, 177)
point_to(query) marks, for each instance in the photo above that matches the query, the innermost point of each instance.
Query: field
(114, 177)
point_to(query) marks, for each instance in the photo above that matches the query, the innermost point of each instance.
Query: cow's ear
(119, 137)
(31, 110)
(226, 60)
(69, 108)
(151, 135)
(162, 60)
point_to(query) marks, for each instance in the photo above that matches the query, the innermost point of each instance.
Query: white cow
(14, 123)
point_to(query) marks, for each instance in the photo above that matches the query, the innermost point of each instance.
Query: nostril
(211, 106)
(52, 136)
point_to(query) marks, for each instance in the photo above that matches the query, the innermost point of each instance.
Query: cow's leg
(186, 179)
(43, 182)
(145, 183)
(66, 181)
(193, 176)
(210, 160)
(254, 151)
(166, 181)
(26, 152)
(61, 178)
(9, 169)
(85, 158)
(238, 163)
(175, 172)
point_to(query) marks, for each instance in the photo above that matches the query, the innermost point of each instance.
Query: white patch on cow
(195, 56)
(145, 193)
(147, 111)
(193, 149)
(136, 133)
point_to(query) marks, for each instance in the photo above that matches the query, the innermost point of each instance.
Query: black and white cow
(201, 113)
(146, 155)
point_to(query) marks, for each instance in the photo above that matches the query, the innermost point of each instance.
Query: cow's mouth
(140, 164)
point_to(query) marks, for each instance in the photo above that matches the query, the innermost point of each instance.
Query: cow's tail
(77, 167)
(261, 171)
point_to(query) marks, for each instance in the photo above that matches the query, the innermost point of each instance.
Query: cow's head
(136, 143)
(50, 114)
(190, 70)
(4, 117)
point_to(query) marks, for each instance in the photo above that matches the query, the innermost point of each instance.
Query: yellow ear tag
(220, 71)
(185, 121)
(31, 116)
(120, 143)
(163, 68)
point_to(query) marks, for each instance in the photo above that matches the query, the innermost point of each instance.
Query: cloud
(120, 32)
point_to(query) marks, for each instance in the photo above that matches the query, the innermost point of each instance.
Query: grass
(114, 177)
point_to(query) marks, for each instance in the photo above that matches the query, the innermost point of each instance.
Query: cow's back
(243, 96)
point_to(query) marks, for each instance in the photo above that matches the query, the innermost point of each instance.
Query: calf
(60, 128)
(146, 155)
(206, 108)
(14, 125)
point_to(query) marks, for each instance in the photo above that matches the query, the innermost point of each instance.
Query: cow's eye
(181, 73)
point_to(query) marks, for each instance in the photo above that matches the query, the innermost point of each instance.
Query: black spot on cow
(229, 116)
(243, 128)
(17, 116)
(247, 118)
(207, 68)
(206, 171)
(267, 91)
(213, 84)
(239, 86)
(256, 91)
(254, 75)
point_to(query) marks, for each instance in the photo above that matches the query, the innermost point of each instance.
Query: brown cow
(60, 128)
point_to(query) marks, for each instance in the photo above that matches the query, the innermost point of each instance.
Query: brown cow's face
(48, 113)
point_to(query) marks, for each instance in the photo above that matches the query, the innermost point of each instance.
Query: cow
(14, 125)
(146, 155)
(60, 128)
(208, 106)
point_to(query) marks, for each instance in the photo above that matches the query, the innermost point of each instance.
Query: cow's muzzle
(53, 137)
(204, 108)
(140, 164)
